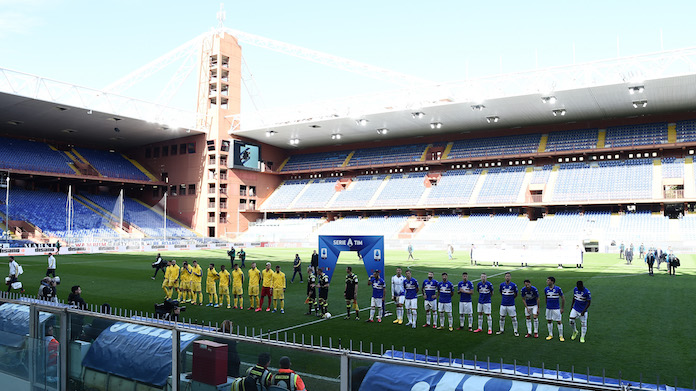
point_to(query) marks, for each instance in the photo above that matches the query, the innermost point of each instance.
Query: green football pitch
(638, 325)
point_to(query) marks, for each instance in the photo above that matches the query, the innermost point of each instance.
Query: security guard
(287, 378)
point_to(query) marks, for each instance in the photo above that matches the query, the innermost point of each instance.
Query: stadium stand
(112, 165)
(387, 155)
(672, 167)
(501, 185)
(317, 194)
(32, 156)
(143, 217)
(51, 217)
(686, 131)
(541, 175)
(402, 189)
(284, 194)
(606, 180)
(572, 140)
(359, 192)
(642, 226)
(571, 225)
(314, 161)
(477, 227)
(642, 134)
(495, 146)
(454, 187)
(373, 225)
(281, 230)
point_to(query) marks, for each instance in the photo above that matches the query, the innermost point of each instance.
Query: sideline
(266, 334)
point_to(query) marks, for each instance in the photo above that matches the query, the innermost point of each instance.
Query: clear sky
(93, 43)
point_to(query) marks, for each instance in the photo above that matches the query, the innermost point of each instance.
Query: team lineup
(437, 295)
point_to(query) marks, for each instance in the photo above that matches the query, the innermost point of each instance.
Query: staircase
(542, 143)
(672, 133)
(141, 168)
(477, 187)
(601, 138)
(551, 184)
(689, 182)
(448, 148)
(379, 191)
(657, 189)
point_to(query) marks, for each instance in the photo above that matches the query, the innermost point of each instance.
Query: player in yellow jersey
(267, 286)
(184, 282)
(165, 283)
(174, 278)
(211, 277)
(254, 278)
(224, 286)
(279, 290)
(196, 275)
(237, 287)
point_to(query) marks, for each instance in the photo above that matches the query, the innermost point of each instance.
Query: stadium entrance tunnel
(369, 248)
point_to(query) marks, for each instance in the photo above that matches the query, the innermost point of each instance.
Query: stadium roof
(47, 109)
(655, 83)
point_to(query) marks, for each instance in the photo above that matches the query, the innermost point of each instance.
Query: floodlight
(294, 141)
(336, 136)
(478, 107)
(558, 112)
(435, 125)
(492, 119)
(418, 114)
(636, 89)
(549, 99)
(270, 133)
(640, 103)
(361, 121)
(382, 131)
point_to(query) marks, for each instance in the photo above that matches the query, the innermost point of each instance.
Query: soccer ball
(327, 316)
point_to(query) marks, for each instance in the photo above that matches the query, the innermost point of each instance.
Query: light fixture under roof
(636, 89)
(640, 103)
(435, 125)
(549, 99)
(492, 119)
(382, 131)
(418, 114)
(478, 107)
(558, 112)
(14, 122)
(336, 136)
(361, 121)
(270, 133)
(294, 141)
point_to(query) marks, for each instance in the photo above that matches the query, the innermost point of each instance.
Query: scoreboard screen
(245, 156)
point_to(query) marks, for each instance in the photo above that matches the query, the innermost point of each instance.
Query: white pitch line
(360, 310)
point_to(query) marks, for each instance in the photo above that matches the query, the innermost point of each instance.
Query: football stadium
(440, 236)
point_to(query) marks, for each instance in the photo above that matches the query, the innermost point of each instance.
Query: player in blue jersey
(508, 291)
(581, 303)
(485, 291)
(397, 290)
(465, 289)
(429, 290)
(411, 299)
(444, 297)
(555, 302)
(377, 284)
(530, 298)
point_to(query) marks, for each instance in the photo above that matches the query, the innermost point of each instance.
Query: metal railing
(331, 350)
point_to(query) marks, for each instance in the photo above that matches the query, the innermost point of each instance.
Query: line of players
(186, 281)
(438, 299)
